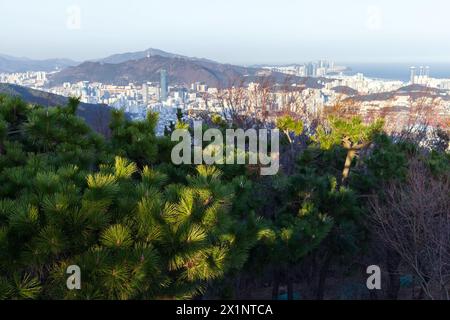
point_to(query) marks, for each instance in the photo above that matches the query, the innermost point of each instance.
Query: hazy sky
(234, 31)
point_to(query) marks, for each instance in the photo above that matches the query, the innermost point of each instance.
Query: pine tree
(318, 180)
(134, 231)
(353, 135)
(135, 140)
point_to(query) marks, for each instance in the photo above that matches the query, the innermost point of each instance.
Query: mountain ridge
(144, 66)
(180, 71)
(97, 116)
(10, 64)
(137, 55)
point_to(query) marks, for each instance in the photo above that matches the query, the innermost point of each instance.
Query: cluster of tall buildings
(419, 75)
(310, 69)
(318, 69)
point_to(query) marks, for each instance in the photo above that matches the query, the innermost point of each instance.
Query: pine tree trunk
(348, 162)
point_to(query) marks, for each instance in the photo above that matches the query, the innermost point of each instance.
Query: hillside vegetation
(140, 227)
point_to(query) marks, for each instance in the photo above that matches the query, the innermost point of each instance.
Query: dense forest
(347, 196)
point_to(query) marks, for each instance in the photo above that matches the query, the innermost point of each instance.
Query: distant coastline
(396, 71)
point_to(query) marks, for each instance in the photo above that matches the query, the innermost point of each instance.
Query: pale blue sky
(234, 31)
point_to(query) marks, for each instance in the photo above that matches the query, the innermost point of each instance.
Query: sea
(396, 71)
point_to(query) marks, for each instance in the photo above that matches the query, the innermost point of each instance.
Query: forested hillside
(347, 196)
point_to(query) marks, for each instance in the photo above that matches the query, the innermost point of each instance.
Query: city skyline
(230, 32)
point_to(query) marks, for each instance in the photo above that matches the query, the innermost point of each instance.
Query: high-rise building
(311, 69)
(145, 93)
(420, 75)
(164, 85)
(412, 77)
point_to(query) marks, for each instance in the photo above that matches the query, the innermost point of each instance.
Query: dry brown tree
(247, 107)
(420, 118)
(413, 219)
(344, 107)
(297, 101)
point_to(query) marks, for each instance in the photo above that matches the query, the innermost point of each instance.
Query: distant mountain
(97, 116)
(124, 57)
(11, 64)
(179, 70)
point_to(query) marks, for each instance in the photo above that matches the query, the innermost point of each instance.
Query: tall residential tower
(164, 85)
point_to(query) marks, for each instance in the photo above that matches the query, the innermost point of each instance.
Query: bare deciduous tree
(413, 219)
